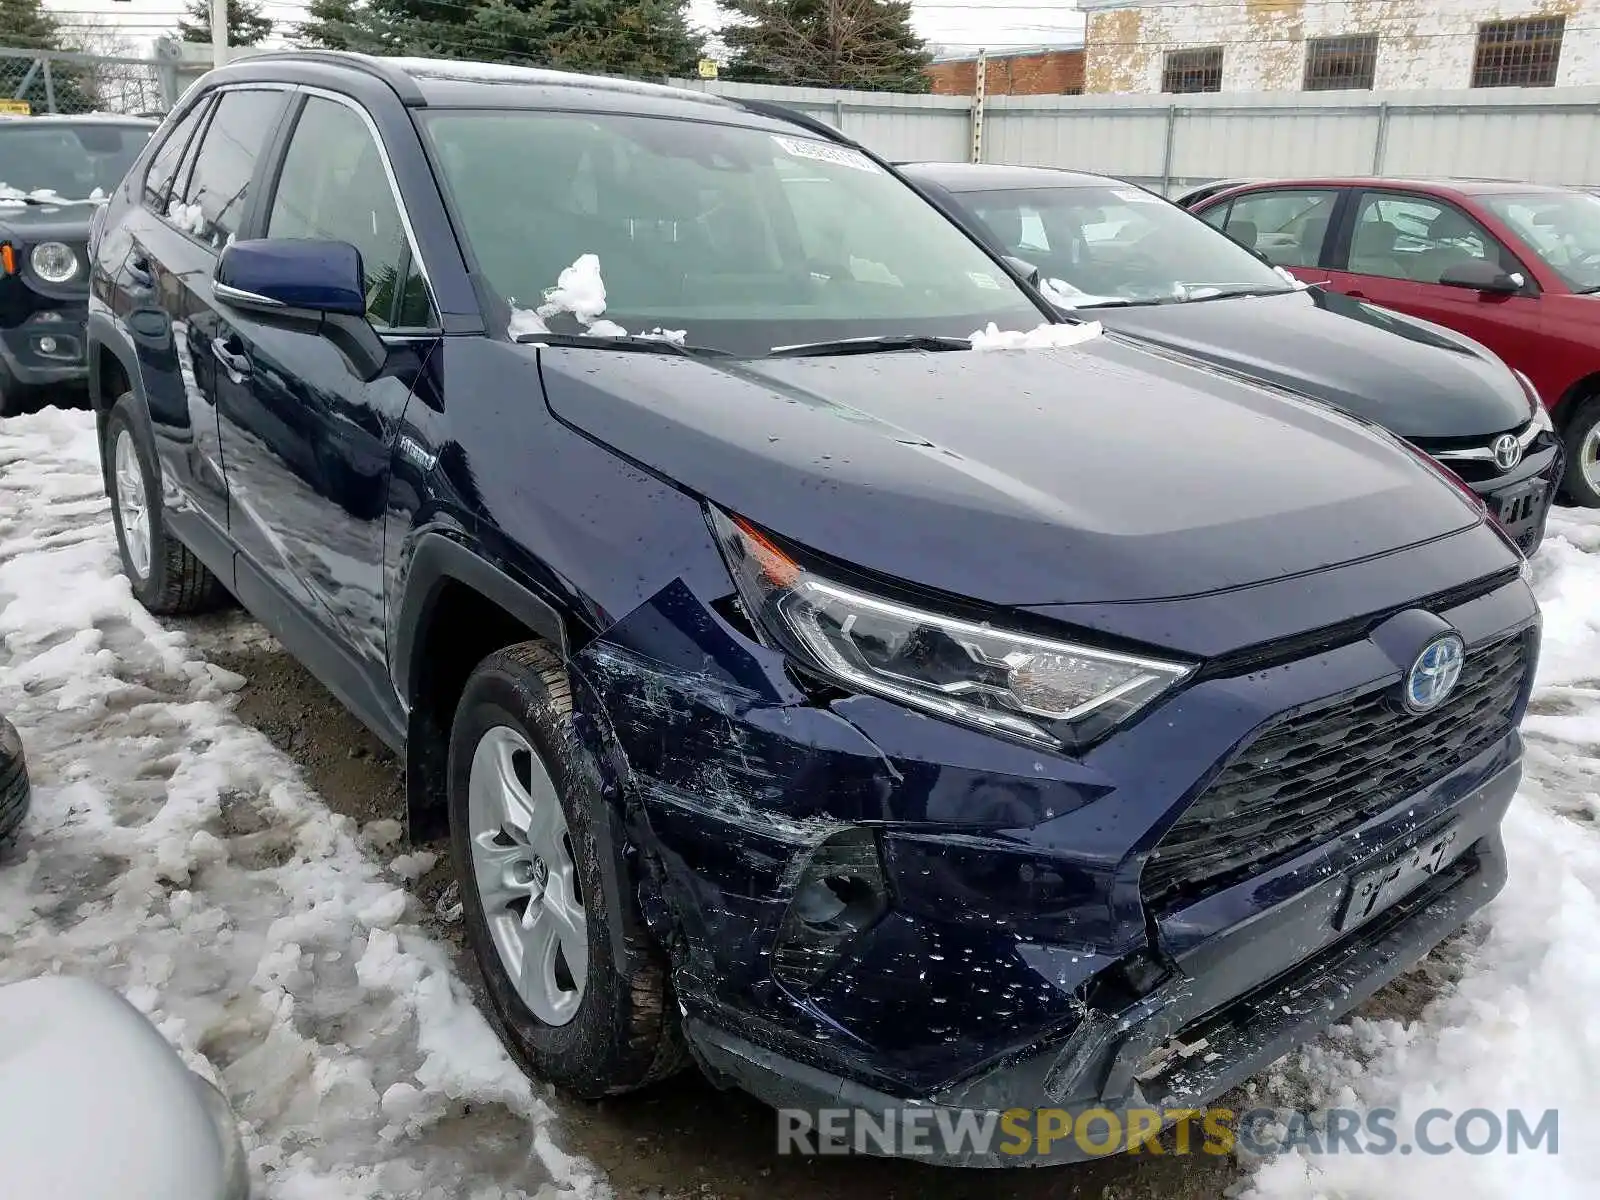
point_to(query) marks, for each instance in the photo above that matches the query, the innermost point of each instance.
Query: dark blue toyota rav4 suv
(879, 711)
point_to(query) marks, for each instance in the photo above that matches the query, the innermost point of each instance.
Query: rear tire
(1581, 483)
(166, 576)
(527, 837)
(15, 790)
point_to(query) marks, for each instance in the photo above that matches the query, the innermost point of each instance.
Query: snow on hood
(1041, 337)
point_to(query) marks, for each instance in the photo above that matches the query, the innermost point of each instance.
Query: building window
(1338, 63)
(1193, 70)
(1518, 53)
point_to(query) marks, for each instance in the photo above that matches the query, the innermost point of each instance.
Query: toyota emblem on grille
(1433, 675)
(1507, 451)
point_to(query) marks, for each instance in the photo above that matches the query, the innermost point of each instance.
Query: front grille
(1310, 776)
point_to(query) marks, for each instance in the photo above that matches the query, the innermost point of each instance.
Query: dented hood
(1106, 472)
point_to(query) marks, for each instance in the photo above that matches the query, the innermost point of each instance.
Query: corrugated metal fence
(1550, 135)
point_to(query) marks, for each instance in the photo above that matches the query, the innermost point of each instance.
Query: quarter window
(333, 187)
(164, 163)
(211, 204)
(1288, 227)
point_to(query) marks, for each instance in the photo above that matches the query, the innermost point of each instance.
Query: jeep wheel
(530, 848)
(166, 576)
(1582, 481)
(15, 790)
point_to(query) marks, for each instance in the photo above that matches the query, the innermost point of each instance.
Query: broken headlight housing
(1040, 689)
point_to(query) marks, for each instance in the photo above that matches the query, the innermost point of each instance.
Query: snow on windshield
(581, 291)
(11, 197)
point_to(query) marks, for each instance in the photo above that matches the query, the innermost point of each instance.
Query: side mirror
(1024, 268)
(273, 274)
(1480, 275)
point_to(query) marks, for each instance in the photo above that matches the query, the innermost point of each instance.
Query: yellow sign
(708, 69)
(16, 108)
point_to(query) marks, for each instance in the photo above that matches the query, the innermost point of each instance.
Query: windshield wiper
(873, 345)
(649, 345)
(1231, 293)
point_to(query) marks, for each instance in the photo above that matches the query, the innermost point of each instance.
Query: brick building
(1326, 45)
(1039, 71)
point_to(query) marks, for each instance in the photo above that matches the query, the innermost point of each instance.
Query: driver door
(1399, 247)
(307, 445)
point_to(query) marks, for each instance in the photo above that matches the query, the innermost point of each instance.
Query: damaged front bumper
(1016, 959)
(1208, 1027)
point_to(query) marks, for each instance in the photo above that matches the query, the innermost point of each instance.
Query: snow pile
(1041, 337)
(1521, 1028)
(579, 290)
(11, 197)
(176, 855)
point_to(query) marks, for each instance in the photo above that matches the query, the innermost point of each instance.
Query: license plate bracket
(1375, 889)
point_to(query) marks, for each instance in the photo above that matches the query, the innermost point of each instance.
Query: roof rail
(401, 83)
(782, 112)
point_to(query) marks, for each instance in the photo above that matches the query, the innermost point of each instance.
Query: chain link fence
(33, 81)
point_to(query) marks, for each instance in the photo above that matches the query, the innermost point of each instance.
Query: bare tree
(122, 87)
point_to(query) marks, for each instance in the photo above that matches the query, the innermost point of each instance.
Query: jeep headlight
(53, 262)
(1039, 688)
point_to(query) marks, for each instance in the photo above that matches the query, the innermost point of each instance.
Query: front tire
(166, 576)
(527, 837)
(1582, 434)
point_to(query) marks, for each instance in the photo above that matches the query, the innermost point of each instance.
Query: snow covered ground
(175, 854)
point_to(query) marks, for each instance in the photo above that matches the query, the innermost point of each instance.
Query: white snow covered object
(95, 1105)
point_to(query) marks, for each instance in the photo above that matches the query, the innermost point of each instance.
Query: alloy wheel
(522, 866)
(132, 504)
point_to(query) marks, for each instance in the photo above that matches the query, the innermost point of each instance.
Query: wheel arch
(457, 607)
(1574, 397)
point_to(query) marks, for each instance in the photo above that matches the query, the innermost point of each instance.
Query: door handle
(1355, 295)
(236, 364)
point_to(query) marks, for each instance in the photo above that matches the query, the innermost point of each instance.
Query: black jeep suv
(55, 173)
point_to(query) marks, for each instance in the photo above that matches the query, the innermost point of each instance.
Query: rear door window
(1288, 226)
(169, 156)
(211, 203)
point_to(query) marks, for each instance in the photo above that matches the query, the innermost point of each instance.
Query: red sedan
(1515, 266)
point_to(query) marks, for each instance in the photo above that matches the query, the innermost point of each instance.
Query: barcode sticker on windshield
(1136, 196)
(824, 152)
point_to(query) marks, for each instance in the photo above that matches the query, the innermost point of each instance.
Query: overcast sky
(957, 24)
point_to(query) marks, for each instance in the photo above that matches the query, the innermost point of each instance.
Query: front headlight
(53, 262)
(1037, 688)
(1541, 415)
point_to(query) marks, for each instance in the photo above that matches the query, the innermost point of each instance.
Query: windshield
(1563, 228)
(1118, 244)
(732, 238)
(72, 160)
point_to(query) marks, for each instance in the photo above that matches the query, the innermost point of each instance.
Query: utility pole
(219, 33)
(980, 89)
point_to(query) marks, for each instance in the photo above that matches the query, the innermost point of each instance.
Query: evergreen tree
(825, 43)
(247, 24)
(619, 37)
(344, 25)
(26, 25)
